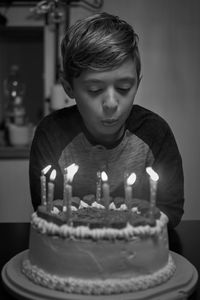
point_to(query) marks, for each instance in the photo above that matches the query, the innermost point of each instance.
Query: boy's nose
(110, 102)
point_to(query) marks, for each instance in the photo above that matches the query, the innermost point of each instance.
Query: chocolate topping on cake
(93, 217)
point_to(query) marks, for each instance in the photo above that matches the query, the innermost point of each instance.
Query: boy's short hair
(99, 42)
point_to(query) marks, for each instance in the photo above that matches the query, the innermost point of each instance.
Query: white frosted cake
(99, 251)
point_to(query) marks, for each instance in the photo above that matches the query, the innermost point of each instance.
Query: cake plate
(178, 287)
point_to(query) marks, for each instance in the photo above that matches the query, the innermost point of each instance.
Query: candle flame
(154, 176)
(71, 171)
(131, 179)
(104, 176)
(46, 169)
(53, 175)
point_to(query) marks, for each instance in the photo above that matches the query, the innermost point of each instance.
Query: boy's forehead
(127, 70)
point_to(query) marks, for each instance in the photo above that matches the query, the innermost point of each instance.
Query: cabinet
(15, 200)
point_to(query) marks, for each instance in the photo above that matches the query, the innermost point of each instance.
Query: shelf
(9, 152)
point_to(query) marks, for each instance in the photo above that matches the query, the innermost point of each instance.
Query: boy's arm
(168, 164)
(42, 154)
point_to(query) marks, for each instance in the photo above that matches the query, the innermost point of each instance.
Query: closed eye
(123, 90)
(95, 90)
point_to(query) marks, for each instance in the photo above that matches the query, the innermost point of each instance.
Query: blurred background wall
(170, 46)
(169, 34)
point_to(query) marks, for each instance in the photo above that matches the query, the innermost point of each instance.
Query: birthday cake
(99, 251)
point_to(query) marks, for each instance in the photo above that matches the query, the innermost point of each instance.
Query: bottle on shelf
(19, 113)
(18, 129)
(14, 89)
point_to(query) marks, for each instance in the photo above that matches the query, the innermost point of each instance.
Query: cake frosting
(99, 251)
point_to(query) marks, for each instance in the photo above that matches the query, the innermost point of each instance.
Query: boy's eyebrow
(122, 79)
(129, 79)
(91, 80)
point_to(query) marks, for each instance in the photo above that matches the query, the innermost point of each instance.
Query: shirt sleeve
(43, 152)
(168, 164)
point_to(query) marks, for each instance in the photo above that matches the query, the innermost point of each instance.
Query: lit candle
(69, 173)
(64, 190)
(98, 187)
(128, 188)
(51, 191)
(43, 184)
(106, 189)
(153, 180)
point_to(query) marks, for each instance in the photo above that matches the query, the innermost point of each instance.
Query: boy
(105, 131)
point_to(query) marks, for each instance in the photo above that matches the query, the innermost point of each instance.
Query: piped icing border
(66, 231)
(97, 287)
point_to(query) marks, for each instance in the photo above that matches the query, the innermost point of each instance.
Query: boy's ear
(139, 80)
(67, 87)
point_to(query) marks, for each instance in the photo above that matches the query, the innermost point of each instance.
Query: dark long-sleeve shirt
(62, 139)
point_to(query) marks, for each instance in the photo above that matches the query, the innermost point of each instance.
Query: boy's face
(105, 98)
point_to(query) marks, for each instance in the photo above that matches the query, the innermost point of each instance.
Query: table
(184, 240)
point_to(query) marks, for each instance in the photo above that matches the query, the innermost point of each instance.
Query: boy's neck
(107, 142)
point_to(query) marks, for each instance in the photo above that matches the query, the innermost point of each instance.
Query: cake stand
(178, 287)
